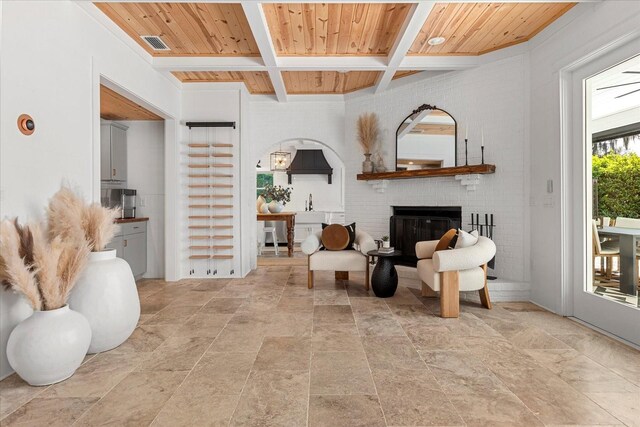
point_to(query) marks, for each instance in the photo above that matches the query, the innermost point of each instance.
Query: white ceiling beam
(411, 27)
(332, 63)
(208, 63)
(319, 63)
(260, 29)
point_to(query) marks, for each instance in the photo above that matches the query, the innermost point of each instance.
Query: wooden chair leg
(427, 291)
(342, 275)
(484, 292)
(309, 274)
(449, 294)
(366, 276)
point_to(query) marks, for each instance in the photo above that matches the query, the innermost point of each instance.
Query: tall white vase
(106, 294)
(49, 346)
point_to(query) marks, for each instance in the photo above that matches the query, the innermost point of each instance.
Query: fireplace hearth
(412, 224)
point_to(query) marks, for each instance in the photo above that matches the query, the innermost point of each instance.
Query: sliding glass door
(605, 187)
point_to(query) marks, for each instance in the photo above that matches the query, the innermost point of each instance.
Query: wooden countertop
(126, 220)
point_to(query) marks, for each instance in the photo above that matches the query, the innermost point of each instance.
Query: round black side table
(384, 280)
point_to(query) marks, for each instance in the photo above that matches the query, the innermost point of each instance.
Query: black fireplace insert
(412, 224)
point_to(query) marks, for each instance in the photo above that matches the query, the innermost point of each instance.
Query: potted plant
(368, 134)
(50, 345)
(385, 242)
(106, 292)
(277, 197)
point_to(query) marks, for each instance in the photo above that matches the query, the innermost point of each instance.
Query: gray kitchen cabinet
(113, 152)
(135, 252)
(130, 243)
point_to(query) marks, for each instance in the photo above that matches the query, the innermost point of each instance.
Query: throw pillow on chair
(335, 237)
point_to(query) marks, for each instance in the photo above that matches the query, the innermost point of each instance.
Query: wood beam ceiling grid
(285, 38)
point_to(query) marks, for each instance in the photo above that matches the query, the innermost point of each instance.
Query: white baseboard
(500, 290)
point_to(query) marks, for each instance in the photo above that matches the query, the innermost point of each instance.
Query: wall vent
(155, 42)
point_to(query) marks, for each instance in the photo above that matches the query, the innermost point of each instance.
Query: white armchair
(453, 270)
(342, 262)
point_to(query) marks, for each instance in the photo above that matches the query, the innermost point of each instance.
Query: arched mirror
(426, 139)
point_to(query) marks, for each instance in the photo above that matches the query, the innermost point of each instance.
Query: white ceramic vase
(259, 202)
(386, 244)
(275, 207)
(106, 294)
(264, 208)
(49, 346)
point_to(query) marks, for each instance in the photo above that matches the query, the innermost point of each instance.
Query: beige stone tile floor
(267, 351)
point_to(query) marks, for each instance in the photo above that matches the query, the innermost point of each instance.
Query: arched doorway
(327, 199)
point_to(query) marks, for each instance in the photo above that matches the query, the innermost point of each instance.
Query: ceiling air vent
(155, 42)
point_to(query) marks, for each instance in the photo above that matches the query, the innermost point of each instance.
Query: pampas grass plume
(368, 131)
(70, 217)
(14, 273)
(99, 226)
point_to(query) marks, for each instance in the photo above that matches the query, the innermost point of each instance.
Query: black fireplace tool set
(485, 229)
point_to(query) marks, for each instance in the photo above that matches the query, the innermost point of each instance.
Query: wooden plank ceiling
(114, 106)
(189, 29)
(359, 29)
(257, 81)
(326, 29)
(478, 28)
(327, 82)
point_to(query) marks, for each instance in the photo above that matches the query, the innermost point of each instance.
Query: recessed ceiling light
(434, 41)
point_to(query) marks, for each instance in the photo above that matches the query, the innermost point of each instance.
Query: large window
(263, 179)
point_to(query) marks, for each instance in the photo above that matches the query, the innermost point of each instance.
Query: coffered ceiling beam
(313, 63)
(411, 27)
(208, 63)
(332, 63)
(260, 29)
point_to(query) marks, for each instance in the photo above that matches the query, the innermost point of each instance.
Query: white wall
(595, 26)
(145, 173)
(273, 122)
(492, 96)
(55, 80)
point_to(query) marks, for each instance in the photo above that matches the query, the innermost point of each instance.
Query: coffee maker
(123, 198)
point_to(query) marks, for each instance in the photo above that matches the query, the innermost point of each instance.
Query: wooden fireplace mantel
(428, 173)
